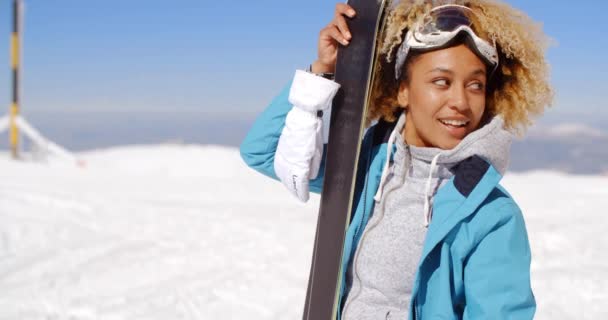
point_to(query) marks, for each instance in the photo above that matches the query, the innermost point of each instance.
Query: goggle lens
(445, 19)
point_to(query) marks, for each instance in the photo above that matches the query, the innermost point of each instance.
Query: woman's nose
(458, 98)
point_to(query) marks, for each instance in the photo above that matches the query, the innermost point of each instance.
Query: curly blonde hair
(518, 90)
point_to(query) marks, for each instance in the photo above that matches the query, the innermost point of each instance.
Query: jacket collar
(474, 179)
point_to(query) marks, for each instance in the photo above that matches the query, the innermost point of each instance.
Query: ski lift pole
(15, 64)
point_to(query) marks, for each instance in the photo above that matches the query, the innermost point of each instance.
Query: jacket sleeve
(259, 146)
(497, 271)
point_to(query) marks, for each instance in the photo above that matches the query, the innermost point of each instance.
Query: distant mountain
(79, 131)
(571, 148)
(579, 147)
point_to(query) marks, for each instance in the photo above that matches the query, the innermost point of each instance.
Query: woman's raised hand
(330, 37)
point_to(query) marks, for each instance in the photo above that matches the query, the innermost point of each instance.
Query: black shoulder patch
(383, 130)
(468, 173)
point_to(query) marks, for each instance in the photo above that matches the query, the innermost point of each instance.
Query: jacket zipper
(369, 157)
(368, 165)
(356, 258)
(364, 194)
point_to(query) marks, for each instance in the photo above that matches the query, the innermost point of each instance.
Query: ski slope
(189, 232)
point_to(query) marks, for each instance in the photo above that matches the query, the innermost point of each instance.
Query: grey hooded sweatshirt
(381, 275)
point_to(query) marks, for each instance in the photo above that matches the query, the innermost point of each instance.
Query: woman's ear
(403, 95)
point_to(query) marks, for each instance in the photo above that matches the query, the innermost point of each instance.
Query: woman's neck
(410, 136)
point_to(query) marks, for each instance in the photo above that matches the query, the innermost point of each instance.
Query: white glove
(300, 148)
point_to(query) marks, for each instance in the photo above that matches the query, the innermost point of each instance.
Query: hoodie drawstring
(389, 150)
(428, 210)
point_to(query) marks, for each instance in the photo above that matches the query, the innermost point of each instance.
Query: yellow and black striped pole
(15, 55)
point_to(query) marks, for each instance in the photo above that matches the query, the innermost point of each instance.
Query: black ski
(354, 70)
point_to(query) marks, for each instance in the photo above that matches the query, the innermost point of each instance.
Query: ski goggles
(438, 28)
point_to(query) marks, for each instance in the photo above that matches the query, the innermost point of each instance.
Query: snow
(189, 232)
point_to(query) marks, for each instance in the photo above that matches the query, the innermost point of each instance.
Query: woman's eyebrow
(441, 69)
(479, 71)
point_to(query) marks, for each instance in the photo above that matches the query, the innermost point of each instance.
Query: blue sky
(231, 57)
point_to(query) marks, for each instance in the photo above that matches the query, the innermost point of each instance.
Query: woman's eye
(477, 86)
(441, 82)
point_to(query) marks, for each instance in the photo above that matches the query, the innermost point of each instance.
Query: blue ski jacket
(475, 262)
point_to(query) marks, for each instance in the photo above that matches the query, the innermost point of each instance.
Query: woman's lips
(456, 131)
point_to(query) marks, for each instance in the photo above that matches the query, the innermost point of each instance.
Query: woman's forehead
(456, 59)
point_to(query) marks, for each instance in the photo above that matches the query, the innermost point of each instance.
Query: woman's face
(445, 96)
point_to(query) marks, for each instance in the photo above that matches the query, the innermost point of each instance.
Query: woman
(433, 235)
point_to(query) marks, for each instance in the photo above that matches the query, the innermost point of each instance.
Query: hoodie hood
(491, 142)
